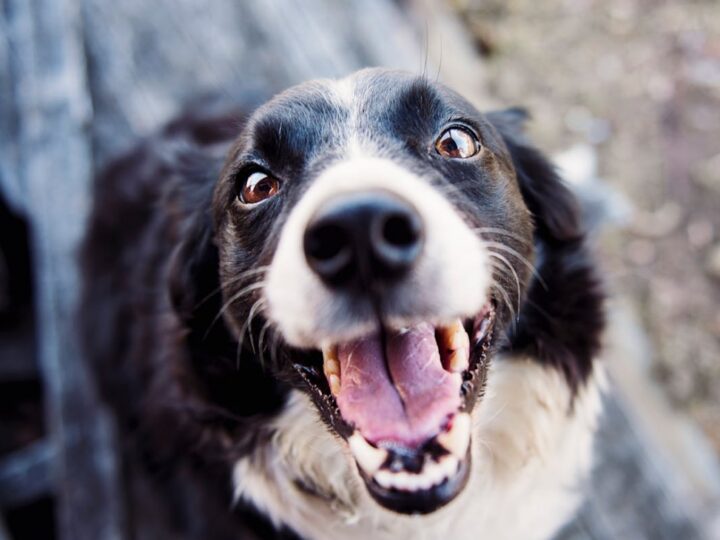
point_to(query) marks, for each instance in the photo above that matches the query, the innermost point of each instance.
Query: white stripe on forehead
(345, 94)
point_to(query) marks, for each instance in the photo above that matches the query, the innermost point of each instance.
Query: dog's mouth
(402, 399)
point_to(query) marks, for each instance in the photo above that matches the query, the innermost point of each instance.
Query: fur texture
(179, 351)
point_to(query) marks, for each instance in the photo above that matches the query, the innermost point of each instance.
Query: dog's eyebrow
(288, 133)
(417, 110)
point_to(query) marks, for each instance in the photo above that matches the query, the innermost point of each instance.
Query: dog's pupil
(456, 143)
(258, 187)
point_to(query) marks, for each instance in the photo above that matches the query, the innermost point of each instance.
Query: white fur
(530, 453)
(308, 314)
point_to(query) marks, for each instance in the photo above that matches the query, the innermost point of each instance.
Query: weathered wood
(53, 167)
(144, 64)
(17, 352)
(27, 474)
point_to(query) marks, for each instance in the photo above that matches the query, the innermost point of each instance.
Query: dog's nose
(362, 239)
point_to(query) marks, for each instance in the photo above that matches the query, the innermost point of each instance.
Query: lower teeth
(433, 473)
(455, 441)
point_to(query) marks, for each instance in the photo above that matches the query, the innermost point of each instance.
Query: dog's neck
(531, 449)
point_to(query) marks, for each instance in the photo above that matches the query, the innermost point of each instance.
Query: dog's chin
(401, 400)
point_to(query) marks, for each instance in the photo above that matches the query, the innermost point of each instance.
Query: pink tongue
(409, 404)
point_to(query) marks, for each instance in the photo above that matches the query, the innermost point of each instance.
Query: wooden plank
(52, 108)
(27, 474)
(17, 351)
(254, 46)
(10, 186)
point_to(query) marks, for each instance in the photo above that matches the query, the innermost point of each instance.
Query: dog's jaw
(530, 453)
(416, 474)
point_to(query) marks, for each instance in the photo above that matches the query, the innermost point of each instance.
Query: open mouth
(402, 400)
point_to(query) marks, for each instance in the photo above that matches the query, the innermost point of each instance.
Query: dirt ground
(637, 82)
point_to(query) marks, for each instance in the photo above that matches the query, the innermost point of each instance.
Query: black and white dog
(376, 320)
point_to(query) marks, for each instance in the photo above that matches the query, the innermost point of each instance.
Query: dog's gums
(405, 398)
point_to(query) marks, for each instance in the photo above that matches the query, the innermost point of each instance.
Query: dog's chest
(530, 455)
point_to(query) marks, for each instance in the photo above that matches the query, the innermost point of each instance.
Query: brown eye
(258, 187)
(457, 142)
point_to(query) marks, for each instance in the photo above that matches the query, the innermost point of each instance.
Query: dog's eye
(258, 187)
(457, 142)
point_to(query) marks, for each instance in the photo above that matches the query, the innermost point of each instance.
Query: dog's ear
(193, 272)
(556, 212)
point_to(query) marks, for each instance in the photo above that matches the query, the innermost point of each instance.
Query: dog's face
(373, 244)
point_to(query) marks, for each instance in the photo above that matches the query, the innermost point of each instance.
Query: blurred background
(624, 94)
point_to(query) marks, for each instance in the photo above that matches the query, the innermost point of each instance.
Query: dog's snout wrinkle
(363, 240)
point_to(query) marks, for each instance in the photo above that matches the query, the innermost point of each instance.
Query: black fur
(562, 318)
(169, 366)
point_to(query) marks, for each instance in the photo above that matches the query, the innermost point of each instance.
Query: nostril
(325, 242)
(329, 252)
(363, 238)
(396, 240)
(400, 230)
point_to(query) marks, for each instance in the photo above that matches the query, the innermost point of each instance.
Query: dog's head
(375, 238)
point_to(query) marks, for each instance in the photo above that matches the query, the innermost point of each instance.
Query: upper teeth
(480, 329)
(454, 345)
(331, 368)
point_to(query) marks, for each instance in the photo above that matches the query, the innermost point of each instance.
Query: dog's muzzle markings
(372, 243)
(400, 379)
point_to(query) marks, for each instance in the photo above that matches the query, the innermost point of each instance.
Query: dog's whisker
(506, 298)
(274, 347)
(234, 298)
(261, 342)
(504, 260)
(542, 311)
(505, 232)
(238, 353)
(521, 258)
(232, 281)
(259, 304)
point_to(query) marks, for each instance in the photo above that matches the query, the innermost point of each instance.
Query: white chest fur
(531, 453)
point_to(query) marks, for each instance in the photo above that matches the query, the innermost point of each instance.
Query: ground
(638, 83)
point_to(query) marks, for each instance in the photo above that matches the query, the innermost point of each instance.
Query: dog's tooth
(384, 478)
(423, 480)
(334, 383)
(448, 466)
(457, 438)
(481, 329)
(458, 360)
(331, 364)
(454, 346)
(331, 368)
(417, 482)
(435, 473)
(367, 456)
(403, 480)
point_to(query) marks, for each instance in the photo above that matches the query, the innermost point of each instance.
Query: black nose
(362, 239)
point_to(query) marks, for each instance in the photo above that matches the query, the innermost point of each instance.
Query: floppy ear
(193, 273)
(556, 212)
(562, 321)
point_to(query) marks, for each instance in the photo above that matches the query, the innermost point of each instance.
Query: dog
(363, 310)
